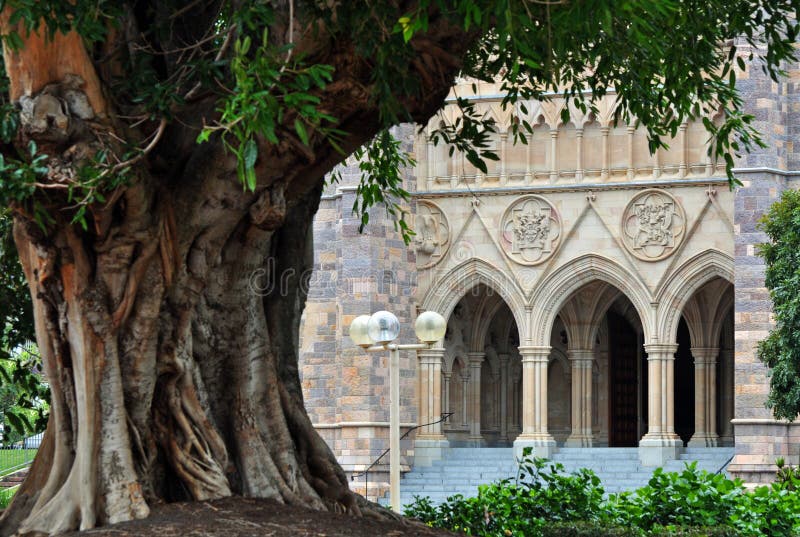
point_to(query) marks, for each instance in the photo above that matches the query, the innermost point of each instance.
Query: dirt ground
(247, 517)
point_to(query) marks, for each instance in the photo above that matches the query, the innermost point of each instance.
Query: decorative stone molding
(553, 291)
(433, 234)
(676, 291)
(530, 230)
(653, 225)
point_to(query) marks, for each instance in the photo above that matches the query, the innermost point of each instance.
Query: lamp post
(375, 333)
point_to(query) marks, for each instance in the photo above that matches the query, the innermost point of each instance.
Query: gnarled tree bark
(171, 378)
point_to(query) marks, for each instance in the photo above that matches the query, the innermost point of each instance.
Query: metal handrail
(721, 468)
(365, 472)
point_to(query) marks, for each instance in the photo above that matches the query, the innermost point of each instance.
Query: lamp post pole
(382, 328)
(394, 414)
(394, 428)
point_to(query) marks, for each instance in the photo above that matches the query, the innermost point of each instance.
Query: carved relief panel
(653, 225)
(530, 230)
(432, 234)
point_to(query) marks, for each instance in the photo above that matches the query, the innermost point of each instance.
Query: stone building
(596, 294)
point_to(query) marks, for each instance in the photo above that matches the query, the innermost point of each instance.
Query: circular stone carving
(432, 234)
(653, 225)
(530, 230)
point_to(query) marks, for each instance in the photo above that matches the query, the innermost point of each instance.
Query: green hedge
(598, 529)
(586, 529)
(545, 501)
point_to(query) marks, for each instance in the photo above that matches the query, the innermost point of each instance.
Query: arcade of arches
(588, 286)
(597, 383)
(596, 294)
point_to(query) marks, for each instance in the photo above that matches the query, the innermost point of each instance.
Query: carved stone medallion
(653, 225)
(530, 230)
(432, 234)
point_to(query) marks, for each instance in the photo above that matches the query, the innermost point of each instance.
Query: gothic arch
(682, 284)
(559, 286)
(483, 321)
(454, 354)
(582, 314)
(443, 296)
(705, 313)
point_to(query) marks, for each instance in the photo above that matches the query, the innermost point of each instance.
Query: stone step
(463, 469)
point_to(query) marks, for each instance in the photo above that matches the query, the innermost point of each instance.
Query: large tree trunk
(172, 381)
(173, 377)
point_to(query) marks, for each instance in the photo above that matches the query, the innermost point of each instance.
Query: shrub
(689, 498)
(545, 501)
(787, 475)
(586, 529)
(769, 510)
(715, 531)
(541, 492)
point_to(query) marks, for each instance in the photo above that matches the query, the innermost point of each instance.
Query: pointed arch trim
(557, 288)
(443, 296)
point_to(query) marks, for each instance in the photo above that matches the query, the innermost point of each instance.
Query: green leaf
(476, 161)
(301, 131)
(249, 154)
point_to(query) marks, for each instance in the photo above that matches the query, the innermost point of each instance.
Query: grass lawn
(11, 458)
(6, 495)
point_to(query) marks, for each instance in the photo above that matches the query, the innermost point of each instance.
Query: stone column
(604, 171)
(660, 444)
(446, 393)
(475, 363)
(581, 361)
(534, 403)
(726, 409)
(465, 397)
(631, 171)
(683, 168)
(579, 154)
(705, 397)
(430, 442)
(503, 179)
(553, 155)
(503, 359)
(515, 375)
(430, 391)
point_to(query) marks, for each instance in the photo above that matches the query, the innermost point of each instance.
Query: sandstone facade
(596, 294)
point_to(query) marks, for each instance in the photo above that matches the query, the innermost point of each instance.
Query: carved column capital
(476, 359)
(432, 356)
(534, 354)
(581, 357)
(705, 355)
(661, 351)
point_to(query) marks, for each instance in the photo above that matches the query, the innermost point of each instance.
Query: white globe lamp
(359, 331)
(383, 327)
(430, 327)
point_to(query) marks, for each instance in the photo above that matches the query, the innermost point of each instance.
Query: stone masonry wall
(765, 173)
(346, 389)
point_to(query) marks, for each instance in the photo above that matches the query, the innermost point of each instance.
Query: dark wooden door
(623, 389)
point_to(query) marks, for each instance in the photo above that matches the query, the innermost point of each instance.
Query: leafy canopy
(23, 393)
(781, 349)
(667, 60)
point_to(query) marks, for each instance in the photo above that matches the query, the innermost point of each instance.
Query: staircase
(619, 468)
(463, 469)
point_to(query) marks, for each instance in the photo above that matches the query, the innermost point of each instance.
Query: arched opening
(625, 372)
(455, 396)
(684, 384)
(704, 366)
(482, 373)
(725, 381)
(559, 402)
(599, 330)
